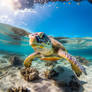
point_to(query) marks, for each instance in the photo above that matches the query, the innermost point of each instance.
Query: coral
(54, 72)
(19, 89)
(30, 74)
(50, 74)
(50, 63)
(15, 60)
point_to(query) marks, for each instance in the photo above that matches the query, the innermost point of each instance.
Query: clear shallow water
(8, 44)
(68, 21)
(75, 46)
(80, 47)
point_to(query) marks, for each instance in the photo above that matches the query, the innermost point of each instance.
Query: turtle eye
(44, 36)
(37, 38)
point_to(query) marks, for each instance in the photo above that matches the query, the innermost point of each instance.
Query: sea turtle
(48, 49)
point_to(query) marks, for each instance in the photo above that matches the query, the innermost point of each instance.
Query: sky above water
(56, 19)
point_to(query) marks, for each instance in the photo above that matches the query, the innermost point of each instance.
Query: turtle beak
(37, 39)
(30, 35)
(32, 40)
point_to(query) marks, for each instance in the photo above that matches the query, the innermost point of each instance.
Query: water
(80, 46)
(76, 46)
(70, 24)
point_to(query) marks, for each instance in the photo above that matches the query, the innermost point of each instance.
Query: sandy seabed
(11, 77)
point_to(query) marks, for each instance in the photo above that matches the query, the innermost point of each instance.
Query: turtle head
(39, 40)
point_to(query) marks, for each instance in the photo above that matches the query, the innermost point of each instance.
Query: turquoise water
(56, 19)
(80, 47)
(75, 46)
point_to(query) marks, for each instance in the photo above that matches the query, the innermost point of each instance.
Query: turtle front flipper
(28, 60)
(76, 66)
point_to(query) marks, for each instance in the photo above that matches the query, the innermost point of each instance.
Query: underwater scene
(45, 45)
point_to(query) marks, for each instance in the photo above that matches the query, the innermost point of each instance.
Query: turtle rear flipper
(76, 66)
